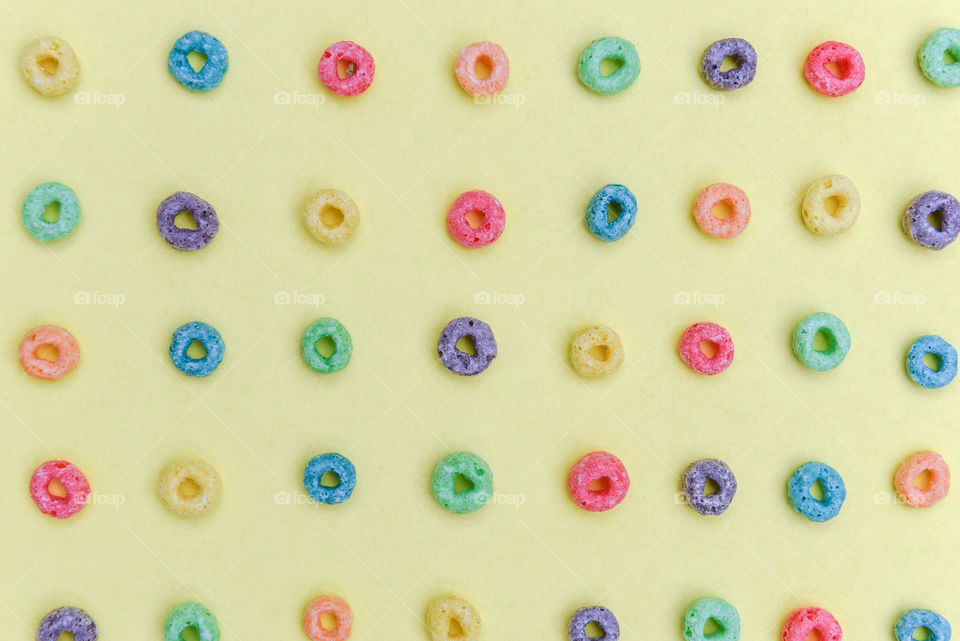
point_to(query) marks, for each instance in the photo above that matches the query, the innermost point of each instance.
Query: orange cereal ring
(915, 465)
(490, 53)
(320, 606)
(722, 227)
(68, 353)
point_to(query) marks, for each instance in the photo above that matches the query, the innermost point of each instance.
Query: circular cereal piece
(445, 610)
(616, 200)
(609, 477)
(577, 630)
(492, 221)
(803, 622)
(492, 55)
(694, 484)
(341, 467)
(313, 619)
(474, 470)
(212, 344)
(938, 628)
(214, 67)
(50, 66)
(183, 500)
(74, 621)
(915, 465)
(68, 352)
(928, 377)
(701, 611)
(709, 198)
(691, 350)
(617, 50)
(331, 216)
(586, 363)
(932, 206)
(75, 485)
(848, 61)
(359, 67)
(838, 341)
(805, 503)
(741, 51)
(933, 52)
(191, 615)
(342, 345)
(815, 214)
(38, 200)
(182, 238)
(463, 363)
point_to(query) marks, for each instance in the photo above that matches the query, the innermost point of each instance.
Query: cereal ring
(74, 621)
(601, 469)
(915, 465)
(815, 214)
(691, 351)
(214, 66)
(709, 198)
(928, 377)
(341, 467)
(586, 363)
(936, 205)
(359, 68)
(701, 611)
(191, 615)
(38, 200)
(612, 199)
(463, 363)
(616, 50)
(932, 63)
(803, 622)
(805, 503)
(182, 238)
(739, 76)
(50, 66)
(208, 337)
(577, 631)
(491, 54)
(313, 619)
(200, 475)
(838, 341)
(343, 221)
(938, 628)
(694, 484)
(491, 225)
(342, 345)
(474, 470)
(67, 352)
(847, 59)
(443, 611)
(74, 483)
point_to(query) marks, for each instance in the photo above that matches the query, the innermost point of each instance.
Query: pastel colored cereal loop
(331, 227)
(73, 621)
(692, 353)
(616, 50)
(191, 615)
(358, 63)
(214, 66)
(596, 351)
(741, 75)
(327, 605)
(492, 219)
(818, 218)
(694, 483)
(803, 622)
(50, 66)
(618, 201)
(938, 628)
(493, 56)
(36, 203)
(598, 482)
(208, 337)
(75, 485)
(341, 467)
(847, 59)
(183, 238)
(342, 346)
(929, 206)
(713, 195)
(702, 611)
(472, 469)
(48, 336)
(932, 377)
(458, 361)
(838, 341)
(604, 618)
(442, 612)
(805, 503)
(202, 481)
(933, 53)
(911, 469)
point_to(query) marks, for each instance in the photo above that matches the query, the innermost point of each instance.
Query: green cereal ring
(471, 467)
(37, 201)
(702, 610)
(342, 346)
(191, 615)
(614, 49)
(838, 341)
(932, 51)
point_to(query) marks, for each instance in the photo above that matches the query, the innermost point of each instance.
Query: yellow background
(404, 151)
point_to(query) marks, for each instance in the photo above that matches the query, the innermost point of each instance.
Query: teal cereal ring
(38, 200)
(474, 470)
(701, 611)
(838, 341)
(932, 53)
(617, 50)
(191, 615)
(342, 346)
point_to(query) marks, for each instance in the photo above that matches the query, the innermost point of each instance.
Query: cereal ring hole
(599, 353)
(483, 67)
(723, 209)
(329, 621)
(196, 350)
(922, 480)
(921, 634)
(325, 346)
(467, 345)
(711, 627)
(56, 489)
(197, 60)
(935, 219)
(594, 630)
(474, 219)
(610, 66)
(330, 479)
(730, 62)
(49, 65)
(185, 220)
(613, 211)
(832, 204)
(709, 349)
(47, 352)
(599, 485)
(51, 213)
(188, 489)
(816, 490)
(710, 487)
(462, 484)
(455, 630)
(933, 361)
(346, 68)
(837, 68)
(824, 342)
(189, 633)
(331, 216)
(950, 57)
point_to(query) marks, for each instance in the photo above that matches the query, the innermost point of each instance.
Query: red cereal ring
(594, 467)
(73, 481)
(68, 353)
(491, 225)
(722, 227)
(320, 606)
(493, 55)
(915, 465)
(360, 68)
(803, 622)
(847, 59)
(692, 353)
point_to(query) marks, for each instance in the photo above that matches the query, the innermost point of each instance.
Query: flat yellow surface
(404, 151)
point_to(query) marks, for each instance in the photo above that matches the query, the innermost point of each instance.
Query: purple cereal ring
(458, 361)
(695, 481)
(601, 616)
(72, 620)
(917, 224)
(740, 76)
(180, 238)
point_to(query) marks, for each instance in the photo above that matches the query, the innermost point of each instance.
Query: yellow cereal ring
(815, 214)
(586, 363)
(50, 66)
(444, 610)
(338, 227)
(202, 475)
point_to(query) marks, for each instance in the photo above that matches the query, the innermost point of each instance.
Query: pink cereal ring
(847, 59)
(491, 224)
(802, 623)
(312, 619)
(601, 468)
(68, 353)
(692, 353)
(722, 227)
(493, 55)
(914, 466)
(73, 481)
(360, 68)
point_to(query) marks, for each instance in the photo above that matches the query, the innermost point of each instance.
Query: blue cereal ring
(932, 52)
(211, 340)
(598, 217)
(834, 491)
(37, 201)
(339, 465)
(925, 376)
(214, 68)
(908, 623)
